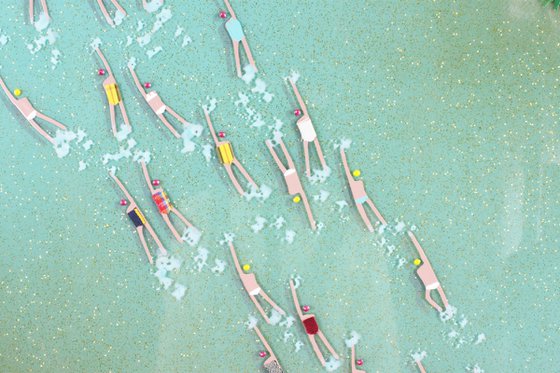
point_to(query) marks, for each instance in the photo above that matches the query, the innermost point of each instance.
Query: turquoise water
(451, 107)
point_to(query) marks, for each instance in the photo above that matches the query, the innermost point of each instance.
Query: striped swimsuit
(162, 202)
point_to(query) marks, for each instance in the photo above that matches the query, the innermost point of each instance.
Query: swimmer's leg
(171, 227)
(183, 219)
(244, 172)
(179, 118)
(117, 5)
(271, 302)
(306, 154)
(364, 216)
(316, 349)
(45, 8)
(376, 212)
(155, 237)
(329, 347)
(113, 119)
(308, 210)
(320, 153)
(431, 301)
(140, 231)
(169, 126)
(420, 366)
(249, 55)
(123, 111)
(105, 13)
(443, 297)
(31, 11)
(51, 120)
(236, 55)
(233, 179)
(41, 131)
(259, 307)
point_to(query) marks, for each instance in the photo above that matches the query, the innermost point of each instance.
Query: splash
(142, 156)
(212, 102)
(152, 52)
(320, 175)
(123, 132)
(288, 322)
(153, 6)
(122, 153)
(51, 37)
(260, 88)
(82, 166)
(297, 280)
(332, 364)
(279, 222)
(201, 258)
(62, 141)
(219, 267)
(343, 144)
(119, 17)
(189, 133)
(480, 338)
(259, 224)
(448, 314)
(298, 345)
(353, 340)
(322, 196)
(419, 356)
(275, 317)
(42, 23)
(260, 194)
(474, 369)
(191, 236)
(249, 74)
(251, 322)
(290, 236)
(207, 152)
(228, 238)
(341, 205)
(179, 291)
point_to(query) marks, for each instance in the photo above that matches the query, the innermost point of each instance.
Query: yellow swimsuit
(113, 94)
(225, 153)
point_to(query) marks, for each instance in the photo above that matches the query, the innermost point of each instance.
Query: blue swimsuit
(233, 27)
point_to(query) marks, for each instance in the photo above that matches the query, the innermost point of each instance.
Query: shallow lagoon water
(451, 109)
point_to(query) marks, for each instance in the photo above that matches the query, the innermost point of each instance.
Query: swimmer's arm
(121, 186)
(261, 337)
(210, 126)
(230, 9)
(418, 247)
(345, 164)
(136, 81)
(296, 301)
(105, 63)
(235, 261)
(147, 176)
(8, 93)
(298, 96)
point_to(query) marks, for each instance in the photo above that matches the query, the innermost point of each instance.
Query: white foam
(341, 204)
(219, 267)
(161, 18)
(62, 141)
(179, 291)
(249, 74)
(401, 261)
(475, 369)
(142, 156)
(297, 280)
(228, 238)
(95, 43)
(41, 41)
(161, 275)
(153, 5)
(298, 345)
(260, 88)
(343, 144)
(119, 16)
(480, 338)
(400, 227)
(448, 314)
(261, 194)
(287, 336)
(122, 153)
(186, 41)
(152, 52)
(82, 165)
(279, 222)
(3, 39)
(243, 99)
(322, 196)
(43, 22)
(290, 236)
(251, 322)
(211, 104)
(169, 264)
(191, 236)
(259, 224)
(419, 356)
(274, 317)
(207, 152)
(131, 62)
(353, 340)
(87, 145)
(178, 31)
(463, 322)
(288, 322)
(189, 133)
(294, 76)
(129, 40)
(123, 132)
(139, 25)
(320, 175)
(332, 364)
(201, 258)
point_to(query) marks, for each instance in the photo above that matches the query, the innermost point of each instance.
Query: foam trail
(353, 340)
(274, 317)
(42, 23)
(448, 314)
(201, 258)
(179, 291)
(332, 364)
(259, 224)
(298, 345)
(251, 322)
(219, 267)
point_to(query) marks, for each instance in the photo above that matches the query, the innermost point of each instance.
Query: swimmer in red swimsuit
(164, 205)
(139, 221)
(312, 329)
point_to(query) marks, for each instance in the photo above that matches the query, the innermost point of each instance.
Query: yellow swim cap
(246, 267)
(17, 92)
(417, 262)
(356, 173)
(296, 199)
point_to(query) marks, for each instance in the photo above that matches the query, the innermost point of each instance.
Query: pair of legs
(41, 130)
(106, 13)
(32, 9)
(433, 303)
(263, 294)
(319, 153)
(152, 233)
(237, 58)
(114, 118)
(315, 346)
(365, 218)
(170, 225)
(168, 125)
(229, 170)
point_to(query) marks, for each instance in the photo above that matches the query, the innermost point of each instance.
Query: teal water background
(451, 107)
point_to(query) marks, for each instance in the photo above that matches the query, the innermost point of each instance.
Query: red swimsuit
(311, 326)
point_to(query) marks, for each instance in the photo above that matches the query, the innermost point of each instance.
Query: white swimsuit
(306, 130)
(150, 96)
(255, 291)
(433, 286)
(31, 115)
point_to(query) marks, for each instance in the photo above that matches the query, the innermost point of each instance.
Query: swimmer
(312, 329)
(420, 366)
(30, 113)
(428, 276)
(227, 158)
(106, 13)
(235, 31)
(157, 105)
(354, 369)
(164, 206)
(359, 195)
(307, 132)
(32, 10)
(113, 94)
(292, 179)
(139, 221)
(271, 364)
(252, 287)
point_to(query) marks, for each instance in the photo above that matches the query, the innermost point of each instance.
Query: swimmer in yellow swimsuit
(113, 94)
(227, 158)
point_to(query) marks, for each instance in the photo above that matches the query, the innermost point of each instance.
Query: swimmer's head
(417, 262)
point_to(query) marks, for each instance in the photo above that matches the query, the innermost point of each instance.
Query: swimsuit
(137, 218)
(113, 94)
(31, 115)
(225, 153)
(433, 286)
(361, 200)
(255, 291)
(306, 129)
(311, 326)
(162, 202)
(158, 105)
(233, 27)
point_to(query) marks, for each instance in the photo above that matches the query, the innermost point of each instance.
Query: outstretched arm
(7, 91)
(210, 126)
(298, 96)
(230, 9)
(136, 81)
(104, 61)
(296, 301)
(345, 164)
(234, 256)
(261, 337)
(420, 366)
(147, 176)
(418, 247)
(128, 196)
